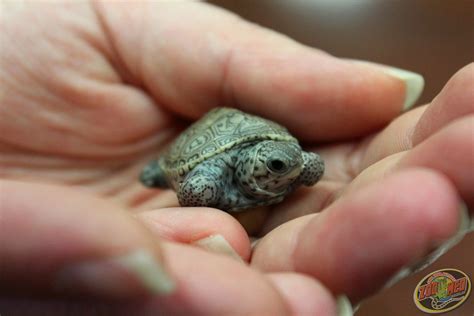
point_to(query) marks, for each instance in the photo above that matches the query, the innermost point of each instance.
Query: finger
(210, 228)
(456, 162)
(207, 284)
(455, 101)
(304, 295)
(394, 139)
(58, 240)
(355, 245)
(223, 60)
(449, 151)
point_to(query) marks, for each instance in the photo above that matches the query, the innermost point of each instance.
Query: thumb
(61, 241)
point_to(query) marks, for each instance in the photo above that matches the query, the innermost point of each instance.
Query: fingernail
(344, 306)
(253, 242)
(218, 244)
(414, 82)
(120, 276)
(465, 224)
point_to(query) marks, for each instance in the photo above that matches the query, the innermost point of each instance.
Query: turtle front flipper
(313, 169)
(203, 186)
(153, 175)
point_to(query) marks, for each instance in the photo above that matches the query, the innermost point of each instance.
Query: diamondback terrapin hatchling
(232, 161)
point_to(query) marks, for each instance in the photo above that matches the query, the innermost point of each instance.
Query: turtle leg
(203, 186)
(313, 169)
(153, 176)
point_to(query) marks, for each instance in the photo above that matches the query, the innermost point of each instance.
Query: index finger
(222, 60)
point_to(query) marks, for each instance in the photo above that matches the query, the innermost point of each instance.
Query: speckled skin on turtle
(232, 160)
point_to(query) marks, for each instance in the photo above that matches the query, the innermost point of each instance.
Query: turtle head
(269, 167)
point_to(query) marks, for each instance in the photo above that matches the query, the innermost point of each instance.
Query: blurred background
(432, 37)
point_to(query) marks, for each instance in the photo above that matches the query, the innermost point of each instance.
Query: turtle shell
(218, 131)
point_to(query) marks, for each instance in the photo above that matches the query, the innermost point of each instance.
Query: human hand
(85, 108)
(399, 187)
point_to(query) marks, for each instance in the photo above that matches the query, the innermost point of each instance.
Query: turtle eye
(277, 165)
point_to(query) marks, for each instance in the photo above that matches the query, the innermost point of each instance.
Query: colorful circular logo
(442, 291)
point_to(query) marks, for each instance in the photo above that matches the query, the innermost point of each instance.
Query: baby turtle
(232, 161)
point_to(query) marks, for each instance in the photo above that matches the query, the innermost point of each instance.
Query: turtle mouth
(279, 185)
(267, 188)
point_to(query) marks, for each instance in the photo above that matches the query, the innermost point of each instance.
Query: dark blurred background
(432, 37)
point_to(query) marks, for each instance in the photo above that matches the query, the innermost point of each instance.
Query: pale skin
(89, 93)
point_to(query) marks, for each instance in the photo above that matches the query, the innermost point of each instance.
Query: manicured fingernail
(218, 244)
(414, 82)
(463, 228)
(344, 306)
(120, 276)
